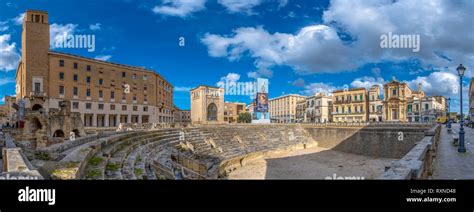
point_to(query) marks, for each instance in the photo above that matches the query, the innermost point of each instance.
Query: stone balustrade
(417, 163)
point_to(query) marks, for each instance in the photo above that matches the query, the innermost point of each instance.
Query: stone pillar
(94, 120)
(117, 119)
(83, 119)
(106, 121)
(129, 119)
(140, 119)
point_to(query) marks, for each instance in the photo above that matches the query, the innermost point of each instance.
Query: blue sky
(301, 46)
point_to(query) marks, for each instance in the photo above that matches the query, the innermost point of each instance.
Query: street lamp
(461, 148)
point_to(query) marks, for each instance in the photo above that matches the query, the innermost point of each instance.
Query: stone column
(94, 120)
(117, 119)
(106, 121)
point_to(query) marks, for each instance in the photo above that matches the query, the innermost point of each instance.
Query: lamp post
(449, 113)
(461, 148)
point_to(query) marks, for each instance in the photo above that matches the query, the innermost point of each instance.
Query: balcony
(38, 94)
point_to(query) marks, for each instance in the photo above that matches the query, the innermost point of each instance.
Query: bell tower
(33, 71)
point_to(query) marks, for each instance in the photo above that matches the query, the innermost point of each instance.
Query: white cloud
(182, 89)
(262, 72)
(229, 78)
(282, 3)
(95, 27)
(318, 87)
(103, 57)
(4, 81)
(319, 48)
(3, 26)
(18, 20)
(298, 82)
(58, 31)
(240, 6)
(313, 49)
(437, 83)
(367, 82)
(180, 8)
(9, 55)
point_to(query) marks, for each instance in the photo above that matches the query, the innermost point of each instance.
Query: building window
(101, 106)
(145, 77)
(145, 108)
(88, 92)
(75, 105)
(145, 88)
(101, 94)
(37, 87)
(88, 105)
(123, 96)
(112, 107)
(135, 108)
(112, 95)
(61, 75)
(75, 77)
(74, 91)
(361, 97)
(145, 98)
(61, 90)
(124, 74)
(88, 67)
(134, 76)
(394, 92)
(134, 97)
(101, 81)
(88, 79)
(61, 63)
(75, 65)
(427, 106)
(124, 107)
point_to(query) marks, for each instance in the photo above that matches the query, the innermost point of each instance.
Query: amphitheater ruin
(235, 151)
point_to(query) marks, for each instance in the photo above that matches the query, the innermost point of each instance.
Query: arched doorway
(58, 133)
(36, 107)
(212, 112)
(35, 125)
(76, 133)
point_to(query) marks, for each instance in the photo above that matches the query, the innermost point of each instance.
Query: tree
(244, 118)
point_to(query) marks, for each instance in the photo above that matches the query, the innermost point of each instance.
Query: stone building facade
(283, 108)
(425, 109)
(318, 108)
(207, 105)
(375, 104)
(104, 93)
(350, 105)
(232, 110)
(301, 111)
(396, 97)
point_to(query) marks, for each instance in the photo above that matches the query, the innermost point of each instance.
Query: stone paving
(449, 163)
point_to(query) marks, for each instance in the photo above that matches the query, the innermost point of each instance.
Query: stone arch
(36, 107)
(35, 125)
(212, 112)
(58, 133)
(76, 132)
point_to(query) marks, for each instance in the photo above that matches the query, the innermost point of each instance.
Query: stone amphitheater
(243, 151)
